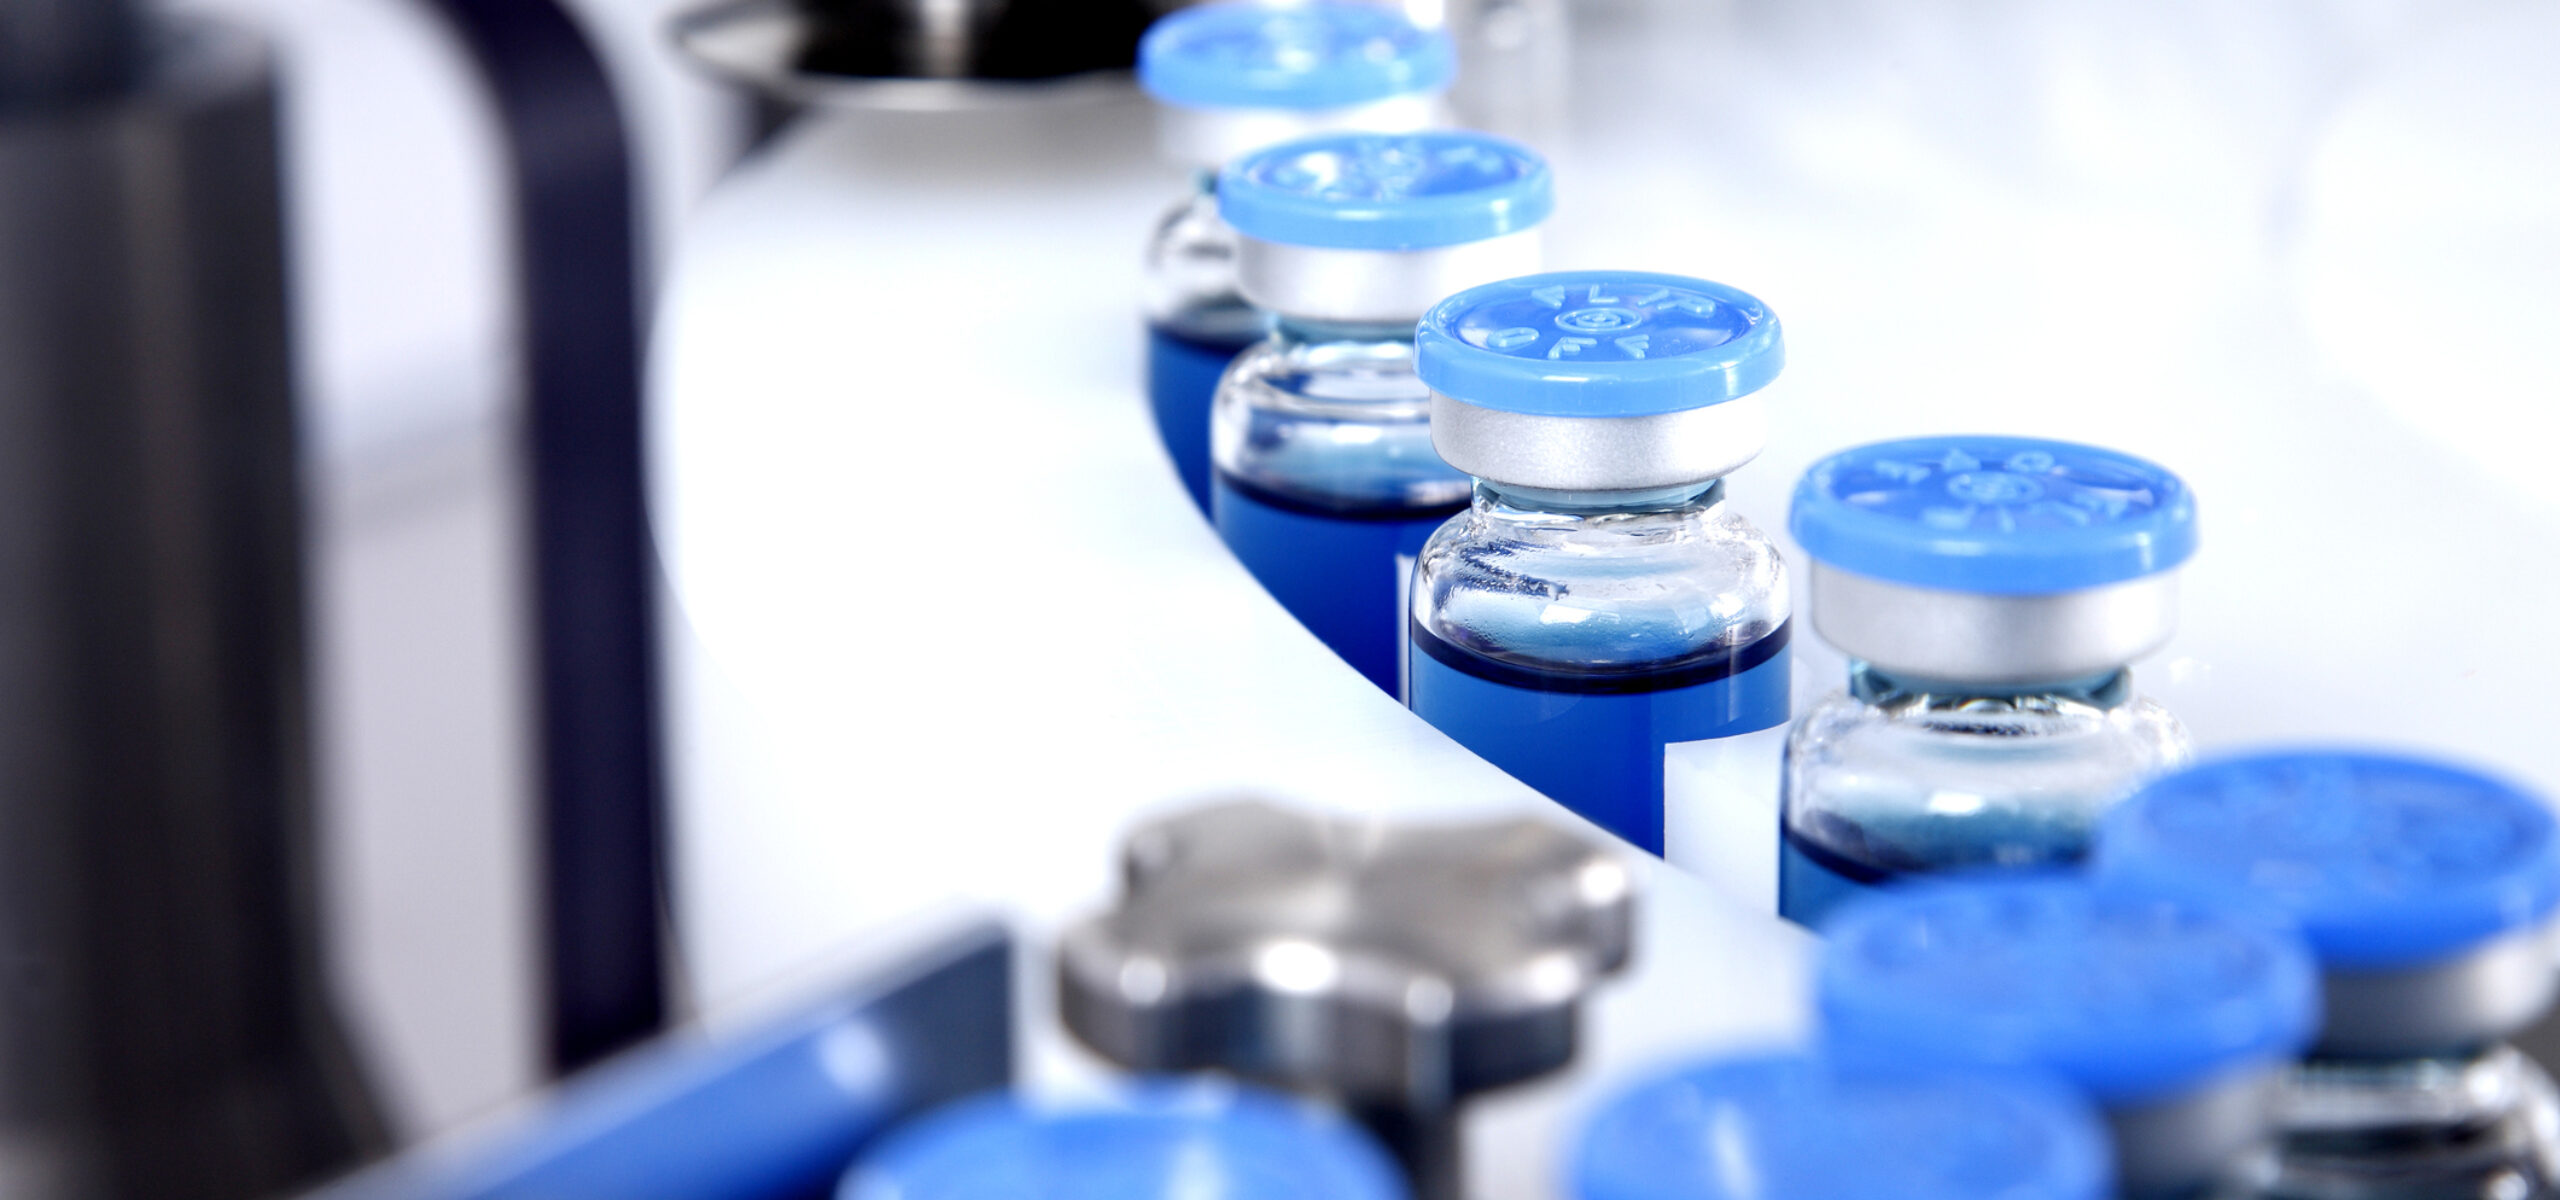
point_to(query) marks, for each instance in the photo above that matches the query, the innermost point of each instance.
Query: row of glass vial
(2288, 974)
(1500, 501)
(2284, 976)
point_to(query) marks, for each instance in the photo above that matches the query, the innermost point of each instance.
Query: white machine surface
(944, 624)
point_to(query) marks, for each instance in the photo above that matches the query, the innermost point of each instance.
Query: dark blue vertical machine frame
(601, 822)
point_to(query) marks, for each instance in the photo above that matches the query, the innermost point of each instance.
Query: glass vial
(1599, 622)
(1990, 592)
(1229, 79)
(1324, 480)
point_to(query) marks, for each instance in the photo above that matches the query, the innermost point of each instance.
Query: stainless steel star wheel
(1394, 967)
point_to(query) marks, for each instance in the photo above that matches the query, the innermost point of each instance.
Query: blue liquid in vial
(1591, 741)
(1182, 380)
(1818, 870)
(1333, 570)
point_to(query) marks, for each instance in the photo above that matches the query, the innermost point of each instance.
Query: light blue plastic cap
(1365, 191)
(1165, 1142)
(2384, 861)
(1599, 344)
(1998, 515)
(1297, 56)
(2132, 997)
(1807, 1129)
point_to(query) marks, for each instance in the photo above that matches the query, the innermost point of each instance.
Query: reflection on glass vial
(1600, 622)
(1196, 324)
(1229, 79)
(1592, 643)
(1324, 479)
(1990, 592)
(2428, 892)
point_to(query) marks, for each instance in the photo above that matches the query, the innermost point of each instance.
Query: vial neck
(2339, 1103)
(1302, 331)
(1871, 685)
(1527, 501)
(1204, 181)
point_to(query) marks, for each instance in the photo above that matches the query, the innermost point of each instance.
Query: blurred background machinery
(393, 256)
(168, 1026)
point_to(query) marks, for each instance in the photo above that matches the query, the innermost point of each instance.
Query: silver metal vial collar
(1388, 287)
(2485, 995)
(2175, 1146)
(1972, 637)
(1598, 454)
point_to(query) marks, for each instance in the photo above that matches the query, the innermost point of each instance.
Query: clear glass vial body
(1609, 649)
(1600, 583)
(1898, 776)
(1325, 482)
(2478, 1123)
(1196, 324)
(1191, 272)
(1332, 416)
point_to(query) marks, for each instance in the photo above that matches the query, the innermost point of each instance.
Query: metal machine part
(594, 571)
(165, 1028)
(773, 1113)
(1395, 968)
(56, 53)
(917, 55)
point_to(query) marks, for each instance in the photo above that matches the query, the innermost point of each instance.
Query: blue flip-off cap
(1807, 1128)
(2132, 996)
(1367, 191)
(1162, 1141)
(1998, 515)
(1295, 56)
(1599, 344)
(2384, 861)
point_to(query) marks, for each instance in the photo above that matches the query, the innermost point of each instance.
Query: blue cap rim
(2119, 1059)
(959, 1151)
(1638, 1147)
(1172, 70)
(1267, 213)
(1472, 374)
(2040, 562)
(2368, 932)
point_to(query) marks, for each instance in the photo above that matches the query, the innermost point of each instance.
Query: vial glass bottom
(1825, 859)
(1341, 573)
(1597, 743)
(2483, 1126)
(1900, 777)
(1182, 383)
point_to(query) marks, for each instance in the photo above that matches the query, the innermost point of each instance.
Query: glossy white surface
(944, 624)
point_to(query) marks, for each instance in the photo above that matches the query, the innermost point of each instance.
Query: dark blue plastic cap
(1366, 191)
(2384, 861)
(1999, 515)
(1297, 56)
(1599, 344)
(1807, 1129)
(1164, 1142)
(2132, 997)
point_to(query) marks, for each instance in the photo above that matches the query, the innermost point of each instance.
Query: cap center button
(1994, 487)
(1599, 320)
